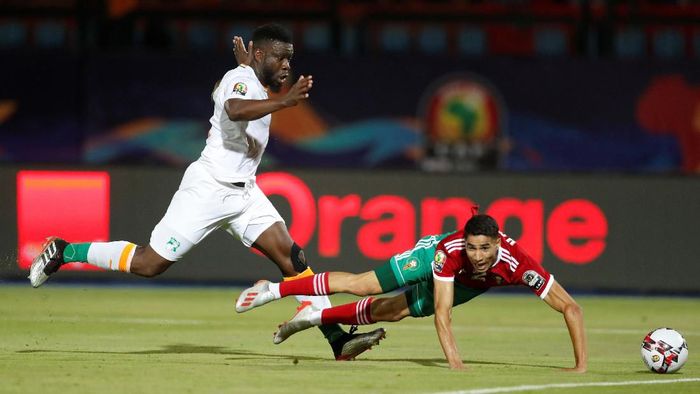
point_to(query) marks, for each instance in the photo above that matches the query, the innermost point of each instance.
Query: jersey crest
(411, 265)
(439, 260)
(240, 88)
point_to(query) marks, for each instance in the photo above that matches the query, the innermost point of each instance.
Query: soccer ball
(664, 350)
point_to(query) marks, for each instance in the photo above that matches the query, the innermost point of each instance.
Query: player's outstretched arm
(561, 301)
(444, 294)
(242, 110)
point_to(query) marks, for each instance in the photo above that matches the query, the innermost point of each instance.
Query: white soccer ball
(664, 350)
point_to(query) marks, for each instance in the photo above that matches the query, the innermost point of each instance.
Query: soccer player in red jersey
(442, 271)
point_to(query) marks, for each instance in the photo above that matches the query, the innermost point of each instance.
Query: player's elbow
(234, 111)
(573, 309)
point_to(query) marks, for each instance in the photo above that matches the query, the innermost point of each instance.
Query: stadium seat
(668, 43)
(317, 37)
(432, 39)
(629, 42)
(13, 34)
(471, 41)
(50, 34)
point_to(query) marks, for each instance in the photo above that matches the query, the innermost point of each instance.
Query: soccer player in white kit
(219, 190)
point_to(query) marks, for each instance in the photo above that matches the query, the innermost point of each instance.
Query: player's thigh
(421, 302)
(260, 224)
(403, 270)
(194, 212)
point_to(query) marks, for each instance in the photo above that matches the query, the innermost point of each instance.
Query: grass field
(71, 339)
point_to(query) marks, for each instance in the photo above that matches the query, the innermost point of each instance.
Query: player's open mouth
(283, 78)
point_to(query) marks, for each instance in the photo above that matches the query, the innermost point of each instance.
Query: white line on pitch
(513, 389)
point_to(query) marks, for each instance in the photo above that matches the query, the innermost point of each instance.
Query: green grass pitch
(75, 339)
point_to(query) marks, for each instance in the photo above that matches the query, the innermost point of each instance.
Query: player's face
(482, 251)
(276, 64)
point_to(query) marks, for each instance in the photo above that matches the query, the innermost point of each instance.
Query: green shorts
(413, 268)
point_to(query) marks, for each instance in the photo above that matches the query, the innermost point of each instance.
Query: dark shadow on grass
(183, 349)
(440, 362)
(250, 355)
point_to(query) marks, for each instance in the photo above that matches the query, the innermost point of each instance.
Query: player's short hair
(271, 32)
(481, 225)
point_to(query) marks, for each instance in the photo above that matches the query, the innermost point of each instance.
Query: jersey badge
(173, 244)
(533, 279)
(439, 260)
(240, 88)
(411, 264)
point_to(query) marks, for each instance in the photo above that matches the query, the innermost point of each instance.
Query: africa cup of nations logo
(464, 120)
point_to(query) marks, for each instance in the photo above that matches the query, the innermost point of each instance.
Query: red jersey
(513, 266)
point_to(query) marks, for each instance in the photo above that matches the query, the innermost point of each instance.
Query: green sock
(76, 253)
(331, 331)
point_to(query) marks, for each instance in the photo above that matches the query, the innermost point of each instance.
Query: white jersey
(224, 156)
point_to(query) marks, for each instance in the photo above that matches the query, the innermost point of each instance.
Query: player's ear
(259, 54)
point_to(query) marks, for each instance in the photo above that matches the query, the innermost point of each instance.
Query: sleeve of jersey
(533, 275)
(241, 88)
(443, 266)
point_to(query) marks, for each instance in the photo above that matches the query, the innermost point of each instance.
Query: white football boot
(254, 296)
(301, 321)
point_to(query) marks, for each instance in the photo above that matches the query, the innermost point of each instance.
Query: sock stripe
(125, 258)
(362, 311)
(358, 308)
(320, 287)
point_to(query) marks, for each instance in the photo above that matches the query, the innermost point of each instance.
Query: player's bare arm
(560, 300)
(242, 110)
(444, 294)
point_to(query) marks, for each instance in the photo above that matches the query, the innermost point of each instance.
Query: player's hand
(242, 56)
(253, 147)
(299, 91)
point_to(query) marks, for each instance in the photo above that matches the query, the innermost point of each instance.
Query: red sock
(311, 285)
(353, 313)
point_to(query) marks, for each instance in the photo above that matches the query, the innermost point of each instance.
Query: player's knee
(385, 309)
(298, 258)
(147, 265)
(364, 284)
(357, 285)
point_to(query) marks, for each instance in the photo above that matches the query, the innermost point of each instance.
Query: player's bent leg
(276, 244)
(389, 309)
(147, 263)
(112, 256)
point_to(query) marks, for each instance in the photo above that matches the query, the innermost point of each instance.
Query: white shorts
(202, 204)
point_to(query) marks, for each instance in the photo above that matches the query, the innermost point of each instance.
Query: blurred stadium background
(576, 123)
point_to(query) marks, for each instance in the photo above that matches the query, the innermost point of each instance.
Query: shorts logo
(240, 88)
(173, 244)
(533, 279)
(411, 264)
(439, 260)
